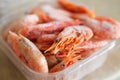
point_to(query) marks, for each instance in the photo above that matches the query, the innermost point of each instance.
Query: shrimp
(13, 42)
(43, 46)
(69, 37)
(75, 8)
(42, 15)
(51, 60)
(66, 62)
(103, 27)
(49, 13)
(45, 41)
(36, 60)
(35, 31)
(56, 13)
(81, 53)
(91, 44)
(19, 24)
(47, 38)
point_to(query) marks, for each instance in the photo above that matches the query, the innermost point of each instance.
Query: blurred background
(110, 8)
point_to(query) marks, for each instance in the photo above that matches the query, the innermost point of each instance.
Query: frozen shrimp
(85, 53)
(35, 31)
(19, 24)
(91, 44)
(36, 60)
(69, 37)
(47, 13)
(66, 62)
(103, 27)
(56, 13)
(43, 17)
(51, 60)
(80, 52)
(47, 38)
(75, 8)
(13, 42)
(43, 46)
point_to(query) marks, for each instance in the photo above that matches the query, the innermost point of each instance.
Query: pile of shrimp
(50, 38)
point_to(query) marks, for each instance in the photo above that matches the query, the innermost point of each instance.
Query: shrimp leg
(69, 37)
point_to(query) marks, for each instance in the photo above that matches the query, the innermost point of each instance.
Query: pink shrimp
(56, 13)
(27, 52)
(80, 52)
(103, 27)
(45, 41)
(47, 13)
(51, 60)
(21, 23)
(42, 15)
(91, 44)
(75, 8)
(69, 37)
(13, 42)
(35, 31)
(66, 62)
(43, 46)
(47, 38)
(36, 60)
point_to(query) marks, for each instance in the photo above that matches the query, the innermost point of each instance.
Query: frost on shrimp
(69, 37)
(16, 25)
(35, 31)
(35, 58)
(80, 51)
(48, 13)
(13, 42)
(103, 27)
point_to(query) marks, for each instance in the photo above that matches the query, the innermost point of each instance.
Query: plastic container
(76, 71)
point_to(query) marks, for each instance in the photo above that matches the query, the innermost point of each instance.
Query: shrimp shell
(17, 25)
(35, 58)
(103, 27)
(76, 8)
(43, 46)
(13, 42)
(35, 31)
(69, 37)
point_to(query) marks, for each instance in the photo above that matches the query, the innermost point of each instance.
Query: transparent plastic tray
(76, 71)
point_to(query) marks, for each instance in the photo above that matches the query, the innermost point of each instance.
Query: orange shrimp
(42, 15)
(51, 60)
(13, 42)
(43, 46)
(91, 44)
(78, 53)
(56, 13)
(21, 23)
(35, 31)
(75, 8)
(47, 38)
(48, 13)
(66, 62)
(86, 53)
(36, 60)
(69, 37)
(103, 27)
